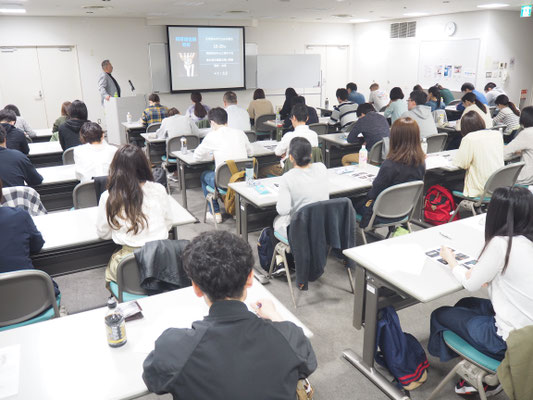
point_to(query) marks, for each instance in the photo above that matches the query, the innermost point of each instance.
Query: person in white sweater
(94, 156)
(522, 145)
(504, 267)
(238, 117)
(222, 144)
(176, 124)
(471, 103)
(134, 210)
(304, 184)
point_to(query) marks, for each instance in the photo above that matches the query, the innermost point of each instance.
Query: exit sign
(525, 11)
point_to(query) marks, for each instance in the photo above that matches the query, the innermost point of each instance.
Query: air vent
(403, 30)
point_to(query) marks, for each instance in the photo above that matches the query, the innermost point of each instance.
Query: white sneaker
(209, 217)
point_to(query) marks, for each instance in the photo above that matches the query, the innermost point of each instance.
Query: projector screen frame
(207, 90)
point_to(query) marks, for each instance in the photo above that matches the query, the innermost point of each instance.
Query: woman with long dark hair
(434, 99)
(504, 266)
(134, 209)
(290, 96)
(198, 111)
(508, 115)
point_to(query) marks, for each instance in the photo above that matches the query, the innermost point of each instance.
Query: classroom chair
(436, 142)
(283, 247)
(68, 156)
(502, 177)
(173, 145)
(316, 156)
(375, 156)
(475, 367)
(84, 195)
(222, 177)
(128, 285)
(261, 129)
(320, 129)
(252, 136)
(397, 203)
(153, 127)
(28, 297)
(204, 123)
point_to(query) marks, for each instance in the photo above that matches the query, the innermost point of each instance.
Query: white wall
(394, 62)
(125, 42)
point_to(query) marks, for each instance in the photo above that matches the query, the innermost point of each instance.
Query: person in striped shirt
(344, 114)
(508, 115)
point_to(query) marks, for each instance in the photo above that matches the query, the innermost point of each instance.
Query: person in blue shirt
(353, 95)
(467, 88)
(434, 99)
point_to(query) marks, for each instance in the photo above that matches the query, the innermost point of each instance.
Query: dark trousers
(473, 320)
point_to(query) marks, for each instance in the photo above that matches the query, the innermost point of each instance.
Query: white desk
(246, 195)
(331, 141)
(57, 174)
(57, 186)
(441, 160)
(400, 264)
(71, 243)
(42, 135)
(187, 164)
(45, 154)
(68, 357)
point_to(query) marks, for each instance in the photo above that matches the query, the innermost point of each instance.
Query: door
(21, 84)
(335, 66)
(60, 78)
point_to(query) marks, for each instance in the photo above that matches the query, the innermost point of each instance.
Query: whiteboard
(448, 62)
(280, 72)
(159, 72)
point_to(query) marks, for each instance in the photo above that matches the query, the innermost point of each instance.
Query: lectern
(116, 109)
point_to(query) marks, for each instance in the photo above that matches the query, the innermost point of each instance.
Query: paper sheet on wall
(9, 371)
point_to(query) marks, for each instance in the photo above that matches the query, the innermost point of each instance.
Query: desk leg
(328, 154)
(238, 213)
(244, 220)
(359, 298)
(183, 185)
(365, 364)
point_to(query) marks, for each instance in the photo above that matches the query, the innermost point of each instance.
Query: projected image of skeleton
(188, 63)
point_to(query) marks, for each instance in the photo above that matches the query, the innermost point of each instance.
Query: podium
(116, 109)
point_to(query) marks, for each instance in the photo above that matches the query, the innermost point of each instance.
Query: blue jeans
(473, 320)
(208, 179)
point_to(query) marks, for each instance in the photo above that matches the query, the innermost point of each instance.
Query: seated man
(344, 113)
(467, 88)
(492, 92)
(238, 117)
(222, 143)
(416, 104)
(16, 168)
(155, 111)
(15, 138)
(378, 97)
(373, 126)
(232, 353)
(353, 95)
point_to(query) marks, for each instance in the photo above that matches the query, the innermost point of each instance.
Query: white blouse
(156, 208)
(93, 159)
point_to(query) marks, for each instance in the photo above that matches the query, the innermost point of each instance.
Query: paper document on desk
(407, 258)
(437, 162)
(9, 371)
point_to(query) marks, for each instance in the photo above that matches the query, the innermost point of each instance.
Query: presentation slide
(206, 58)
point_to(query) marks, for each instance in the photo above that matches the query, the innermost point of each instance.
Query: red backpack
(438, 205)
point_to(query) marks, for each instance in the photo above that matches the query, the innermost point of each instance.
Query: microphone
(131, 86)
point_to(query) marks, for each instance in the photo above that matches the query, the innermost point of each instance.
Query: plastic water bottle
(183, 145)
(128, 117)
(425, 145)
(249, 172)
(326, 103)
(115, 324)
(278, 118)
(363, 157)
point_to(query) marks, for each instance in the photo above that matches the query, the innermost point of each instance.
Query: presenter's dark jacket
(230, 354)
(19, 238)
(17, 170)
(15, 139)
(69, 133)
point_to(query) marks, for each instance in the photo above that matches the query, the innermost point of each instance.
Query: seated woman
(434, 99)
(21, 123)
(304, 184)
(504, 267)
(176, 124)
(60, 120)
(508, 115)
(198, 111)
(480, 154)
(69, 132)
(259, 105)
(290, 95)
(397, 105)
(405, 162)
(471, 103)
(134, 210)
(94, 156)
(522, 145)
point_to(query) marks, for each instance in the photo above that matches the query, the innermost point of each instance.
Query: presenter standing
(107, 85)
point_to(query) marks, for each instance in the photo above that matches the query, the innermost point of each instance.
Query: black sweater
(15, 139)
(16, 168)
(69, 133)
